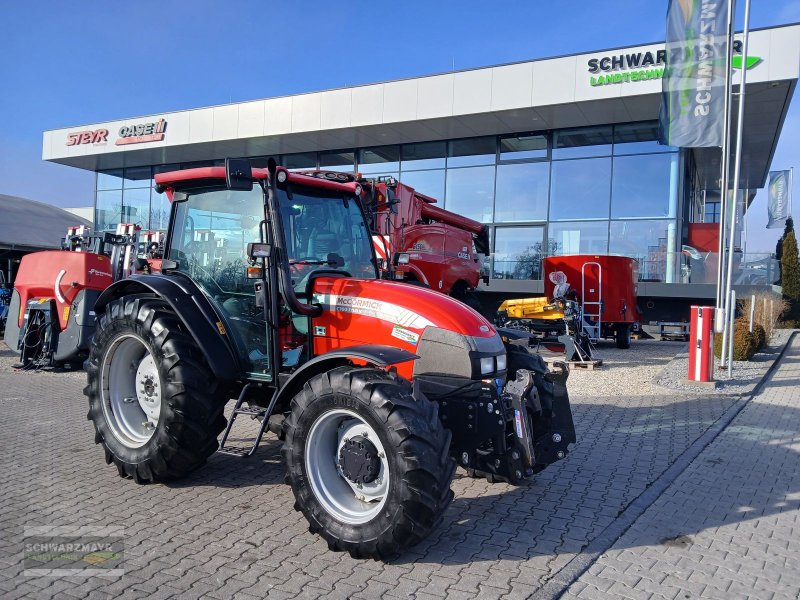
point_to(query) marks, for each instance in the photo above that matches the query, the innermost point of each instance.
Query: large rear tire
(368, 461)
(156, 409)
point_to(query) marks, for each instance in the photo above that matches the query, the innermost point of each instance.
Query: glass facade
(608, 189)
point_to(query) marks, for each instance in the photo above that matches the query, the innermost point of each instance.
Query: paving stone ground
(229, 530)
(729, 525)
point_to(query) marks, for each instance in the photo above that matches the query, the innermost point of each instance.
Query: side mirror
(238, 174)
(255, 250)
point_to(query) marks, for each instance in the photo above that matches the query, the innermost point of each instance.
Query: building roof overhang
(527, 96)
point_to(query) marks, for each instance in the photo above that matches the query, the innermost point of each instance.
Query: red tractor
(269, 292)
(417, 242)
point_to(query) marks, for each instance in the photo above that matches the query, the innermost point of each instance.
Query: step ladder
(592, 303)
(255, 412)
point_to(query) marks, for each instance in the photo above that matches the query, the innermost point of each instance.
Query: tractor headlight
(402, 259)
(487, 365)
(501, 362)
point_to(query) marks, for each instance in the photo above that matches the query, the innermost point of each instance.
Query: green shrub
(790, 277)
(745, 344)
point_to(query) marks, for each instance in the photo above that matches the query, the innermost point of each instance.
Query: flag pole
(736, 172)
(724, 161)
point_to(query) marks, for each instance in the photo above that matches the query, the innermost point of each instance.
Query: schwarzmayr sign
(641, 66)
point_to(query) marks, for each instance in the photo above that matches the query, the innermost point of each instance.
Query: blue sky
(71, 63)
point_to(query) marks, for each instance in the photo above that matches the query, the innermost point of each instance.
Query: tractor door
(208, 241)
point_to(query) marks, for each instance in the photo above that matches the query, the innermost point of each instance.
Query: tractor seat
(322, 242)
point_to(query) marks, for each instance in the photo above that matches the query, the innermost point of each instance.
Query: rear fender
(194, 310)
(373, 354)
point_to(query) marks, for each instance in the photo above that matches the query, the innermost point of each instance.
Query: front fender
(194, 311)
(375, 354)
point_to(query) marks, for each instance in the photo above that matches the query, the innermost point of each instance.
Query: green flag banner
(693, 86)
(778, 198)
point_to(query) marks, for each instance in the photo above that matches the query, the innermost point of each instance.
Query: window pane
(261, 162)
(580, 189)
(430, 183)
(303, 160)
(586, 141)
(199, 164)
(514, 147)
(636, 138)
(579, 238)
(381, 159)
(428, 155)
(645, 185)
(109, 180)
(711, 212)
(647, 242)
(137, 177)
(518, 252)
(337, 161)
(136, 207)
(470, 192)
(159, 212)
(522, 191)
(472, 151)
(108, 211)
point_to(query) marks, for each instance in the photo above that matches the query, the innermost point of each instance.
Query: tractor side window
(212, 230)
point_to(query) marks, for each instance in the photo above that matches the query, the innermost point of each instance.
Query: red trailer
(605, 287)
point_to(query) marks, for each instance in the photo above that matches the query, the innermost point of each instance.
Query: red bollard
(701, 344)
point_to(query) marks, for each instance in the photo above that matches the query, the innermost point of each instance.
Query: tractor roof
(211, 176)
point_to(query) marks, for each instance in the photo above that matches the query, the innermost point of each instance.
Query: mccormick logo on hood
(142, 132)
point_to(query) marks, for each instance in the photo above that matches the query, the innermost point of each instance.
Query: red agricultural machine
(418, 242)
(587, 297)
(606, 289)
(270, 292)
(51, 315)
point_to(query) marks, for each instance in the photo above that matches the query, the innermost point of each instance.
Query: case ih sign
(142, 132)
(87, 137)
(128, 134)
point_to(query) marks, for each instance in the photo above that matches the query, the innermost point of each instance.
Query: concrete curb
(719, 387)
(565, 577)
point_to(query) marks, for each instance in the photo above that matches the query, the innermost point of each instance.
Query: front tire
(156, 409)
(367, 506)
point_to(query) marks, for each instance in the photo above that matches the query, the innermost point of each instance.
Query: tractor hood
(449, 336)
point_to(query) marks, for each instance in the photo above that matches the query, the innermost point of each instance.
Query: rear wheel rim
(346, 501)
(131, 390)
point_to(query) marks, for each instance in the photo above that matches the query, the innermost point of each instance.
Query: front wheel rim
(340, 497)
(131, 390)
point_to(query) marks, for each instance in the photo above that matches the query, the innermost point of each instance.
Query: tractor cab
(214, 231)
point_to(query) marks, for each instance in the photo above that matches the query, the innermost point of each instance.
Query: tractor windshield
(324, 230)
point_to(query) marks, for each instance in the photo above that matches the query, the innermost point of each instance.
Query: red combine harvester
(605, 287)
(51, 312)
(417, 242)
(422, 243)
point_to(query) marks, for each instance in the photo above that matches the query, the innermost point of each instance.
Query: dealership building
(556, 156)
